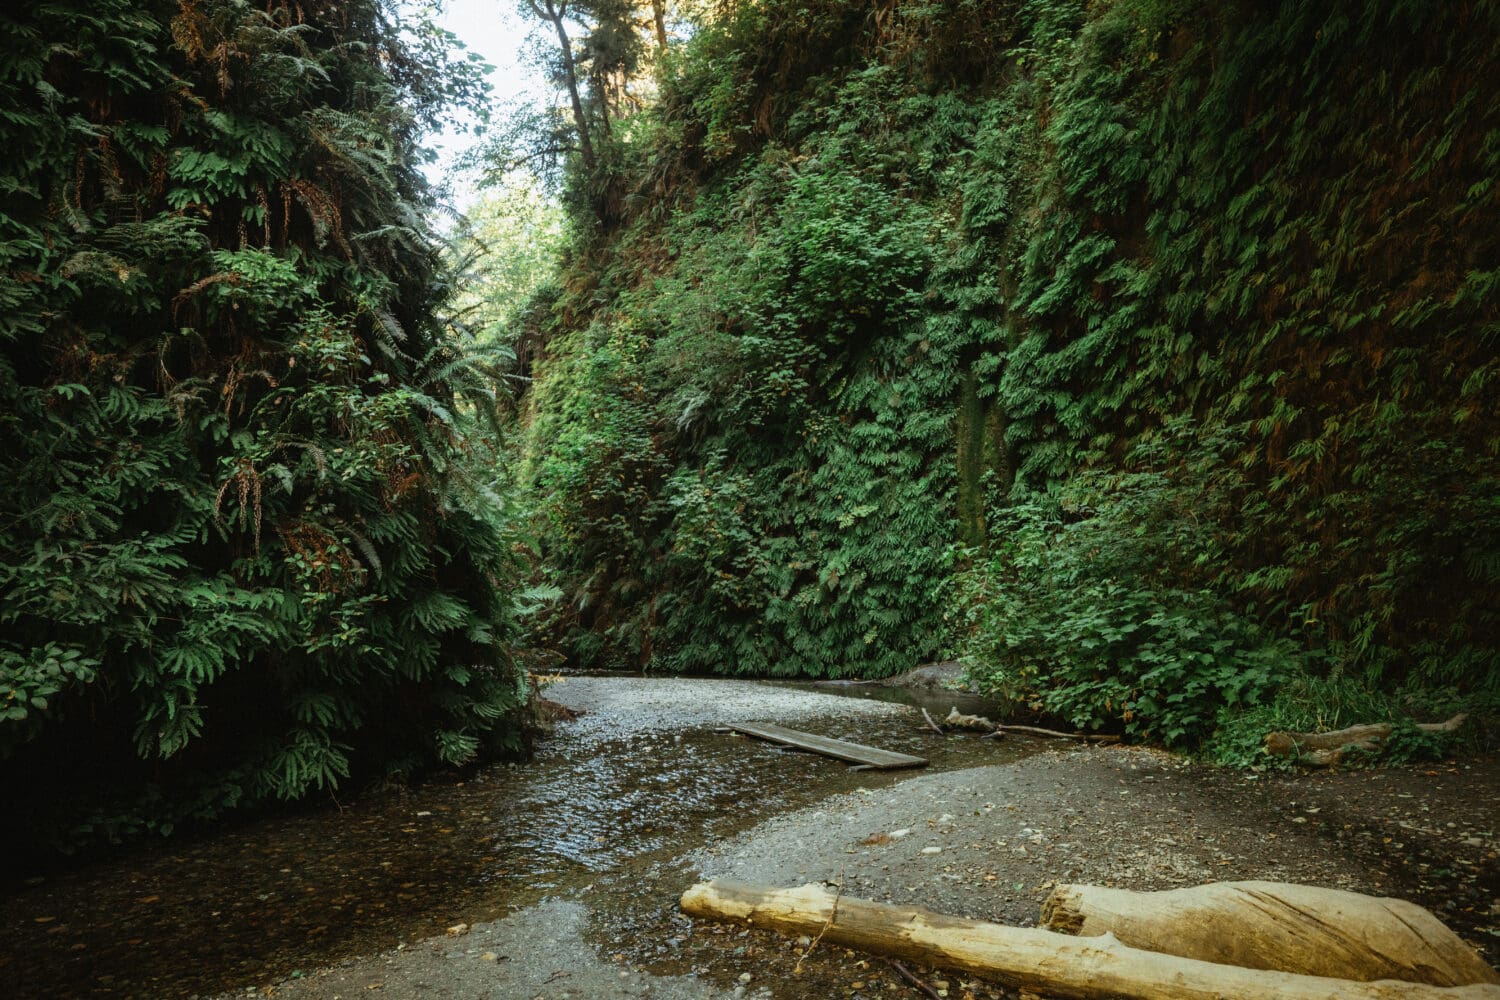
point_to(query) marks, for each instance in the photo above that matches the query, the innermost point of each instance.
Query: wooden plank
(853, 753)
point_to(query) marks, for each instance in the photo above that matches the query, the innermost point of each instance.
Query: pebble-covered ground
(980, 841)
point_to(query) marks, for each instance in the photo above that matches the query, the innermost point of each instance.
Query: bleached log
(979, 722)
(1058, 965)
(1328, 749)
(1278, 926)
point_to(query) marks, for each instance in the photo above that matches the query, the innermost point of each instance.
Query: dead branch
(915, 983)
(1053, 733)
(932, 725)
(833, 916)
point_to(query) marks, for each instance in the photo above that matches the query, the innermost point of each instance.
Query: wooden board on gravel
(852, 753)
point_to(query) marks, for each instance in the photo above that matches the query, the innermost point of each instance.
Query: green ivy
(1099, 606)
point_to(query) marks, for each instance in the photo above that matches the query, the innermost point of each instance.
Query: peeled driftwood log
(1328, 749)
(1096, 968)
(1274, 925)
(957, 718)
(997, 730)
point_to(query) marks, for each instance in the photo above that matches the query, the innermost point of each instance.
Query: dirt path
(983, 841)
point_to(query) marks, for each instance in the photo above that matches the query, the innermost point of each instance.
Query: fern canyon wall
(242, 552)
(1143, 355)
(1142, 352)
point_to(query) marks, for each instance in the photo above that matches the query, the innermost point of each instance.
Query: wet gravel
(990, 842)
(558, 879)
(640, 777)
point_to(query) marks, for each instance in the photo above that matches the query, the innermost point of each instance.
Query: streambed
(568, 867)
(640, 777)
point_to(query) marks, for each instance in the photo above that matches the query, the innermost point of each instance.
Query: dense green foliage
(1095, 605)
(1145, 351)
(503, 249)
(241, 556)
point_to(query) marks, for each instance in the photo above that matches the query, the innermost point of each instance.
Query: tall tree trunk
(603, 84)
(555, 13)
(659, 12)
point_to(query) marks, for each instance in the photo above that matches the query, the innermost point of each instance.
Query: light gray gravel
(986, 842)
(541, 952)
(990, 842)
(620, 706)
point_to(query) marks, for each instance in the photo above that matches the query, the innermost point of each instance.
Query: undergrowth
(247, 551)
(1142, 351)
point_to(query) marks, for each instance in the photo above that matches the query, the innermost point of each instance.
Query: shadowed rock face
(932, 677)
(946, 676)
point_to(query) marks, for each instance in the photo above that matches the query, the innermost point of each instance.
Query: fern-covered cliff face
(238, 556)
(1145, 350)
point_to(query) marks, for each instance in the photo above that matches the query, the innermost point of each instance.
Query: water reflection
(253, 903)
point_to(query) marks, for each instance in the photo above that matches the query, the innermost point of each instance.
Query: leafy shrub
(1310, 703)
(244, 551)
(891, 283)
(723, 456)
(1097, 607)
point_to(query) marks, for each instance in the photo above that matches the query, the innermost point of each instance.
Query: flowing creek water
(604, 808)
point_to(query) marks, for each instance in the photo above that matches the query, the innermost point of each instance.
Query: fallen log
(1328, 749)
(1004, 728)
(979, 722)
(996, 730)
(1274, 925)
(1098, 968)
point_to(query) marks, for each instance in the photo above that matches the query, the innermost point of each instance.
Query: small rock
(932, 850)
(1473, 842)
(745, 977)
(490, 956)
(458, 930)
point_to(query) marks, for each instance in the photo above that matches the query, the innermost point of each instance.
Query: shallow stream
(604, 804)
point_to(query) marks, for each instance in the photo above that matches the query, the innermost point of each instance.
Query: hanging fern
(883, 295)
(244, 556)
